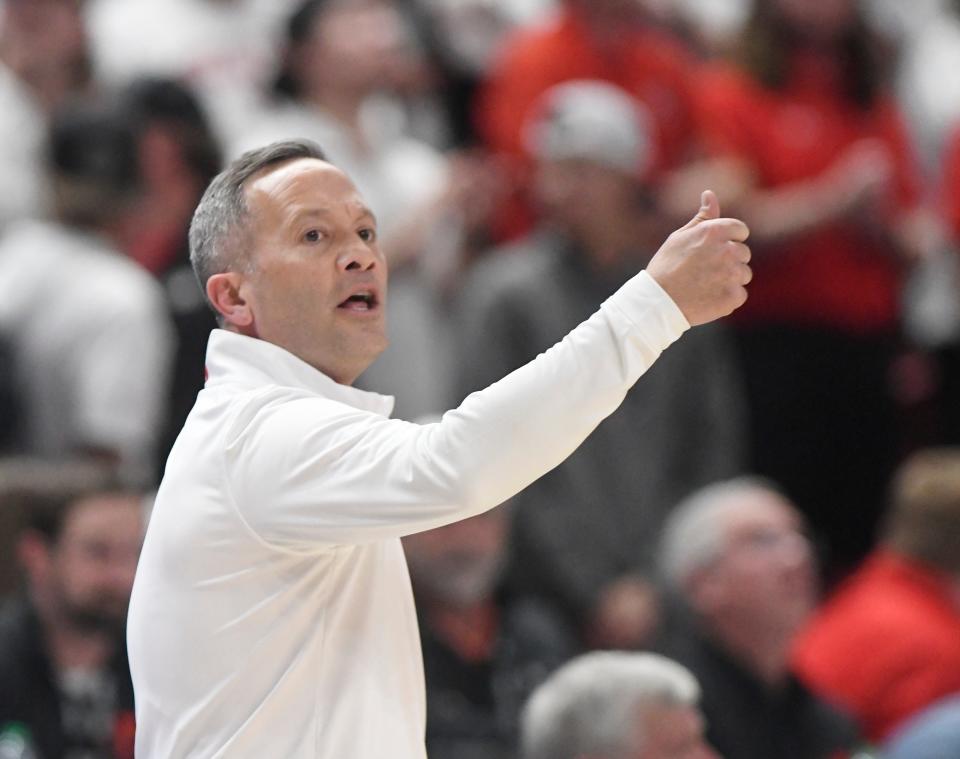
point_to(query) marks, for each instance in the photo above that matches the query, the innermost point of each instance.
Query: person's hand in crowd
(626, 615)
(859, 182)
(476, 187)
(704, 265)
(444, 234)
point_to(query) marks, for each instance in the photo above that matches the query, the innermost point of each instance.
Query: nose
(359, 256)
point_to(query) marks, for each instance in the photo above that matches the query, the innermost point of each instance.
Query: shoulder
(278, 415)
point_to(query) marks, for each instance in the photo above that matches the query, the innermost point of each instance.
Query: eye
(367, 234)
(312, 235)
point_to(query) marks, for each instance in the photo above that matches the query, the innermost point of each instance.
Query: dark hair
(216, 232)
(172, 104)
(768, 42)
(299, 26)
(37, 495)
(93, 162)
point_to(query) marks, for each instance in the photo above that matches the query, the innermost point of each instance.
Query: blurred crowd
(776, 505)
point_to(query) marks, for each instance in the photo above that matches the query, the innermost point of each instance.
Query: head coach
(272, 614)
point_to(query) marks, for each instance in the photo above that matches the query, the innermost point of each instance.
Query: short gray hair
(694, 534)
(590, 706)
(216, 232)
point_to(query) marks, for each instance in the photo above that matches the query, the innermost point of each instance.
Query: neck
(155, 230)
(764, 653)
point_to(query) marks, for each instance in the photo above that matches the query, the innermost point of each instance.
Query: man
(66, 688)
(586, 534)
(484, 650)
(89, 330)
(178, 156)
(43, 62)
(617, 41)
(902, 605)
(616, 705)
(272, 613)
(736, 554)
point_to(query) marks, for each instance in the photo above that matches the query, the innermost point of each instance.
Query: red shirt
(951, 184)
(644, 61)
(885, 645)
(839, 275)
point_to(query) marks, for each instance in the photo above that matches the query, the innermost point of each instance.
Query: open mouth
(361, 301)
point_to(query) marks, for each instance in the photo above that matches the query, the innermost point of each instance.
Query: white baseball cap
(591, 120)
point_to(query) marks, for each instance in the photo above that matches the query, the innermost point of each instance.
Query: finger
(729, 229)
(740, 251)
(709, 209)
(746, 274)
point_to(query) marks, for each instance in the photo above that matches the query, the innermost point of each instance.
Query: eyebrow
(321, 211)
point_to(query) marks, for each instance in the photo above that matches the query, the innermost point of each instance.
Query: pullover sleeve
(311, 473)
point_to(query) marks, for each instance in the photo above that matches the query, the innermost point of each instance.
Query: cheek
(290, 291)
(79, 579)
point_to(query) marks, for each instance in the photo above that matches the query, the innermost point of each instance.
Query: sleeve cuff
(648, 308)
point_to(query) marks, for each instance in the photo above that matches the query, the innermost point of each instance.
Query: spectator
(483, 651)
(932, 734)
(736, 555)
(66, 685)
(585, 533)
(178, 156)
(90, 331)
(901, 606)
(616, 705)
(814, 147)
(462, 38)
(611, 40)
(43, 60)
(616, 41)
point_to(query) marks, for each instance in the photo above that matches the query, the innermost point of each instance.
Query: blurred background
(524, 158)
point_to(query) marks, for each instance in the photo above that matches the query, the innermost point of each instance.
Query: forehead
(671, 729)
(761, 512)
(101, 514)
(302, 183)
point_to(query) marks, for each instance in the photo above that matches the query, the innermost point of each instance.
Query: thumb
(709, 209)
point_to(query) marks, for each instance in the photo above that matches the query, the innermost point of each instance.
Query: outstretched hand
(704, 265)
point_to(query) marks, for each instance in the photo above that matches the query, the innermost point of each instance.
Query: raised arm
(313, 473)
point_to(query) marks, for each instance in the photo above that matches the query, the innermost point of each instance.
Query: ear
(33, 553)
(704, 589)
(225, 293)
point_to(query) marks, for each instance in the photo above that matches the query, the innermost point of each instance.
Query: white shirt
(92, 341)
(272, 614)
(226, 50)
(23, 129)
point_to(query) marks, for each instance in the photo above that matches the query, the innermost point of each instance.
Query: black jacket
(29, 696)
